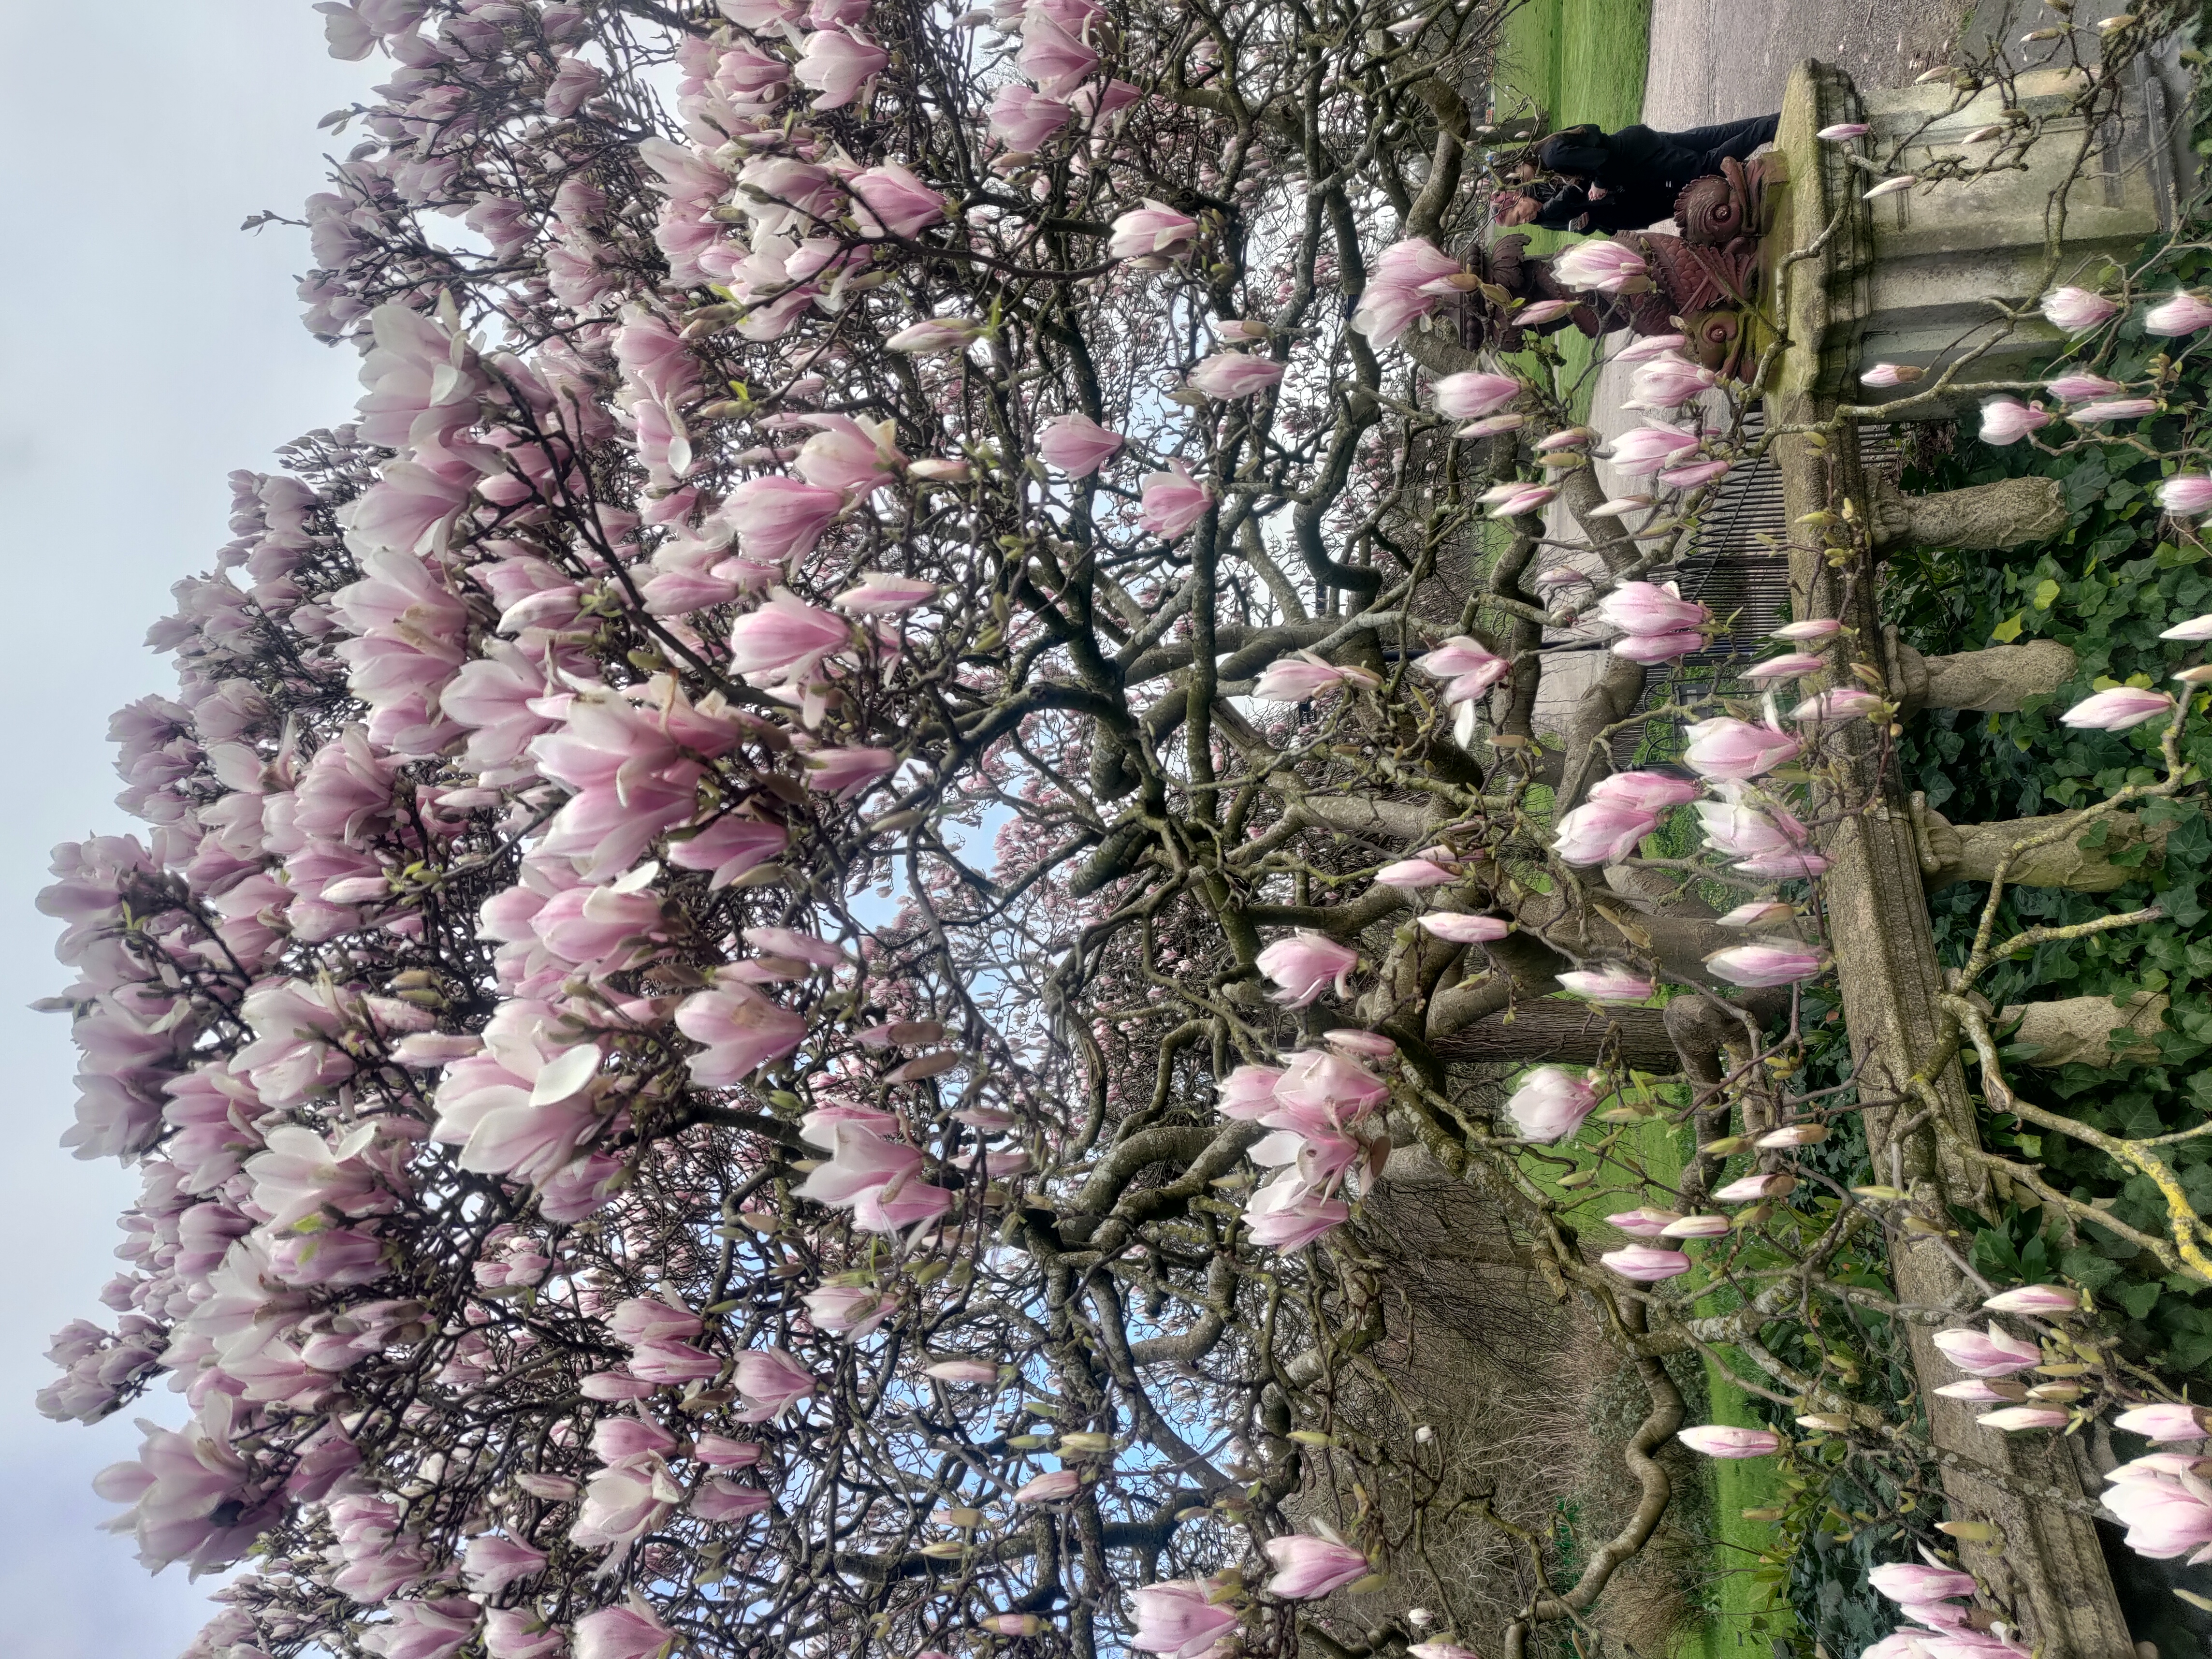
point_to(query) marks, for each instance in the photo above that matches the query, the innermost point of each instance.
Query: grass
(1726, 1629)
(1577, 60)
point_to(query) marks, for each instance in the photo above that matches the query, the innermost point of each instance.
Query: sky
(147, 348)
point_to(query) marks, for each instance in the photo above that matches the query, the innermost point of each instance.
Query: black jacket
(1647, 169)
(1632, 209)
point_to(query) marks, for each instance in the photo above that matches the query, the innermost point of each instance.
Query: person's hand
(1596, 192)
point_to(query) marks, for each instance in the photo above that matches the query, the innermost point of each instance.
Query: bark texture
(1982, 517)
(1953, 853)
(1999, 680)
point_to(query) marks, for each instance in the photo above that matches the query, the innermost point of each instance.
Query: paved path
(1717, 60)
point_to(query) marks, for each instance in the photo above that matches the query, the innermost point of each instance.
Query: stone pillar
(1909, 279)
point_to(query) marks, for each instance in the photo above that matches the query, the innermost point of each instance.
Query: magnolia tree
(793, 896)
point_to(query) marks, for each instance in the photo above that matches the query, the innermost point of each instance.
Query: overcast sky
(148, 348)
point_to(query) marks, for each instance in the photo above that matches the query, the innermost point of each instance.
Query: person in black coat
(1646, 162)
(1571, 208)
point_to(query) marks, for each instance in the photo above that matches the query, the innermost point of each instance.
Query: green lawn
(1727, 1633)
(1579, 60)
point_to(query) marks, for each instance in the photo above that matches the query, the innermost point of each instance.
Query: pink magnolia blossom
(1179, 1618)
(1050, 1488)
(1154, 232)
(849, 1311)
(850, 457)
(2162, 1420)
(1414, 874)
(1024, 119)
(1602, 832)
(1668, 382)
(742, 1032)
(892, 201)
(631, 1632)
(2077, 310)
(728, 847)
(1843, 132)
(1551, 1103)
(1249, 1092)
(1303, 676)
(1648, 608)
(1885, 375)
(1339, 1089)
(1464, 929)
(1790, 665)
(778, 518)
(1765, 965)
(1736, 749)
(1173, 501)
(935, 336)
(2114, 409)
(725, 1502)
(1522, 499)
(1231, 374)
(2007, 420)
(1055, 59)
(1077, 444)
(1695, 475)
(2080, 386)
(2185, 313)
(2196, 628)
(624, 1502)
(1474, 393)
(1287, 1214)
(1603, 265)
(847, 772)
(1758, 913)
(1642, 791)
(1642, 1222)
(961, 1370)
(1646, 448)
(1304, 964)
(1649, 648)
(2054, 1300)
(769, 1382)
(1409, 280)
(1912, 1583)
(521, 1633)
(1609, 983)
(2189, 494)
(1811, 630)
(2118, 709)
(424, 1630)
(1995, 1353)
(1752, 1188)
(1645, 1264)
(494, 1562)
(786, 638)
(1308, 1567)
(1721, 1440)
(2167, 1509)
(881, 594)
(863, 1160)
(837, 63)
